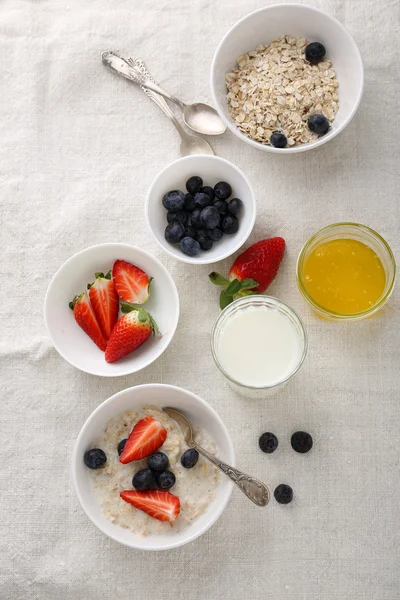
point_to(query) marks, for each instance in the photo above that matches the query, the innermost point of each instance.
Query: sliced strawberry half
(132, 284)
(104, 300)
(145, 438)
(86, 319)
(159, 504)
(131, 331)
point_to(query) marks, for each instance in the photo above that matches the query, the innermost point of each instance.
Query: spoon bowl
(203, 118)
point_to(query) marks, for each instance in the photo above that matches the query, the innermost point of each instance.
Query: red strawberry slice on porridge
(145, 438)
(105, 303)
(86, 319)
(159, 504)
(130, 332)
(253, 270)
(132, 284)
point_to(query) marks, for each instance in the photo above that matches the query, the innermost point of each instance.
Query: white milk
(258, 346)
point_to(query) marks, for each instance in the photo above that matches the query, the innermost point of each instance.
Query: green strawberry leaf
(127, 308)
(108, 276)
(99, 274)
(249, 284)
(225, 299)
(217, 279)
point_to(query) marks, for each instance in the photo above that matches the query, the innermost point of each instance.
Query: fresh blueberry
(194, 184)
(189, 203)
(215, 234)
(189, 232)
(283, 494)
(189, 458)
(195, 220)
(278, 140)
(189, 246)
(268, 442)
(315, 52)
(318, 124)
(121, 446)
(230, 224)
(210, 217)
(222, 190)
(144, 480)
(202, 200)
(174, 232)
(180, 216)
(221, 206)
(235, 206)
(201, 233)
(174, 200)
(302, 442)
(205, 242)
(209, 191)
(158, 461)
(165, 480)
(95, 458)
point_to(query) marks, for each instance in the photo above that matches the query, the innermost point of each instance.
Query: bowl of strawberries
(111, 309)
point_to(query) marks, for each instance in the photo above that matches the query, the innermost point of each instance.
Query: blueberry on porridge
(146, 485)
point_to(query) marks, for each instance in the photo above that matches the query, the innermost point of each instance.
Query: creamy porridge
(194, 487)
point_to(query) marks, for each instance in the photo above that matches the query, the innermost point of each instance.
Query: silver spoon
(199, 117)
(256, 491)
(190, 144)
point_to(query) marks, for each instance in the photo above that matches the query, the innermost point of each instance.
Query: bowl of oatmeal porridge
(287, 78)
(199, 493)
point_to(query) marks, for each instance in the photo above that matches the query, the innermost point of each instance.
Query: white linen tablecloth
(79, 148)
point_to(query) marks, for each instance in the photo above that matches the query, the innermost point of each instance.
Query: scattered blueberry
(95, 458)
(301, 442)
(189, 458)
(174, 232)
(205, 242)
(165, 480)
(194, 184)
(230, 224)
(174, 200)
(215, 234)
(189, 203)
(121, 446)
(195, 220)
(318, 124)
(158, 461)
(189, 232)
(235, 206)
(189, 246)
(210, 217)
(278, 140)
(201, 200)
(268, 442)
(221, 206)
(144, 480)
(209, 191)
(283, 494)
(180, 216)
(315, 52)
(222, 190)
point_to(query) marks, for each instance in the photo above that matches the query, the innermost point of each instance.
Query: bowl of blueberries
(200, 209)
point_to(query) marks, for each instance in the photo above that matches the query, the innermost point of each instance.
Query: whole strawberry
(253, 270)
(130, 332)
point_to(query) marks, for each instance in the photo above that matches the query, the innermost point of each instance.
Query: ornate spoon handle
(136, 63)
(256, 491)
(116, 63)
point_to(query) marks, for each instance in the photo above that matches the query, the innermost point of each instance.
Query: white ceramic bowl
(297, 20)
(200, 413)
(72, 278)
(212, 169)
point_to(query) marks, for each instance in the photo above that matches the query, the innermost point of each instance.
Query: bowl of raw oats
(287, 78)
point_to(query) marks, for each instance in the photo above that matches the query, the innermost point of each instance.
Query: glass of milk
(259, 343)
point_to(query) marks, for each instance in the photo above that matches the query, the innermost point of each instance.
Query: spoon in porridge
(256, 491)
